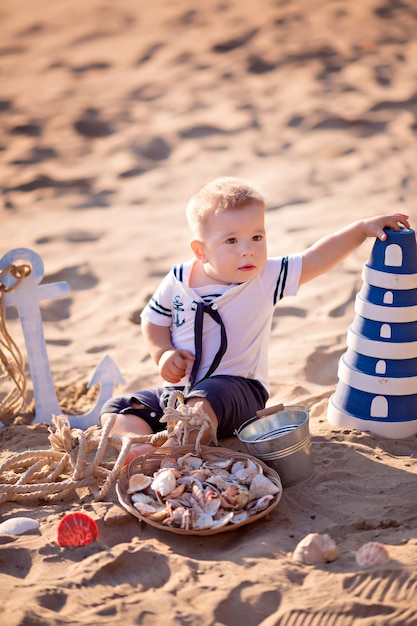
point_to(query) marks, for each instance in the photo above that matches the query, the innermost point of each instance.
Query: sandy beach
(112, 115)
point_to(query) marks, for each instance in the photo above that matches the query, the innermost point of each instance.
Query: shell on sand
(315, 548)
(371, 553)
(18, 525)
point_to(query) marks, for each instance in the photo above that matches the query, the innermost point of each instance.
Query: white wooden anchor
(25, 297)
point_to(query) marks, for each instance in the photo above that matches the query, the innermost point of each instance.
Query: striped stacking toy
(377, 388)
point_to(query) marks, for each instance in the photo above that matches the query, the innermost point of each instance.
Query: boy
(208, 324)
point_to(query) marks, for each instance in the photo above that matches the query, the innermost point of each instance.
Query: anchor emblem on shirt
(178, 306)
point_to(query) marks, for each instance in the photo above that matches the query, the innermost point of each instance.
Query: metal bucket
(280, 437)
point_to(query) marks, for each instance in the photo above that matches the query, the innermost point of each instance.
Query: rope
(182, 420)
(47, 474)
(11, 360)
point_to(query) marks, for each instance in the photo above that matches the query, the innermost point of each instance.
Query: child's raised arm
(332, 249)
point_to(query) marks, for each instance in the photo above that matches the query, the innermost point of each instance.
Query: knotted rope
(182, 420)
(11, 360)
(45, 474)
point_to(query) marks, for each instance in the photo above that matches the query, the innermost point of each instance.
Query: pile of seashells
(191, 493)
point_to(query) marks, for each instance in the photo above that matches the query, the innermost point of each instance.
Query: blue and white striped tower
(377, 388)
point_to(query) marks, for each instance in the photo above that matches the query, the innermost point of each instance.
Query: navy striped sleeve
(158, 308)
(178, 271)
(282, 279)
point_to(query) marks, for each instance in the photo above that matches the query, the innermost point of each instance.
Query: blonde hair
(221, 194)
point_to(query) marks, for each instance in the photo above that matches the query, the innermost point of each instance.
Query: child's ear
(199, 251)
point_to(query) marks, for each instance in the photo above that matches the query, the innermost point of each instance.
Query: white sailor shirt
(245, 309)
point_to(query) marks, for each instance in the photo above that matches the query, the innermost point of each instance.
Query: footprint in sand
(147, 93)
(82, 185)
(79, 277)
(247, 604)
(56, 310)
(91, 125)
(30, 129)
(37, 154)
(91, 67)
(15, 561)
(52, 600)
(321, 365)
(139, 567)
(76, 236)
(149, 53)
(235, 42)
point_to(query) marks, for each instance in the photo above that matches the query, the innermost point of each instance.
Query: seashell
(237, 467)
(164, 482)
(18, 525)
(262, 486)
(245, 471)
(180, 517)
(76, 529)
(218, 476)
(190, 460)
(159, 515)
(221, 473)
(256, 506)
(223, 520)
(315, 548)
(139, 496)
(144, 508)
(212, 502)
(235, 496)
(155, 511)
(202, 521)
(138, 482)
(372, 553)
(200, 474)
(208, 501)
(185, 499)
(198, 493)
(239, 516)
(177, 492)
(219, 482)
(187, 481)
(219, 464)
(170, 462)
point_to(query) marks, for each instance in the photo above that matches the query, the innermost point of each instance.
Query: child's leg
(207, 437)
(133, 419)
(228, 400)
(129, 425)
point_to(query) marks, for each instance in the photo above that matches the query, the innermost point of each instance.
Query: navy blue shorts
(234, 400)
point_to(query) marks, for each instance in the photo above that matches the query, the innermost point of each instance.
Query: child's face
(233, 249)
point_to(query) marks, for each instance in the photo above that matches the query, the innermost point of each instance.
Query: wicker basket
(151, 462)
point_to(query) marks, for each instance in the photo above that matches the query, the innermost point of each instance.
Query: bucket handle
(270, 410)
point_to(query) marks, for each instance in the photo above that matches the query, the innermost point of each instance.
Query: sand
(113, 114)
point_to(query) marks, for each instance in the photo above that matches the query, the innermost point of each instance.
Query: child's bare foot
(138, 449)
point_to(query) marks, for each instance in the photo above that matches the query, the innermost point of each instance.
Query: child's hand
(173, 365)
(374, 226)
